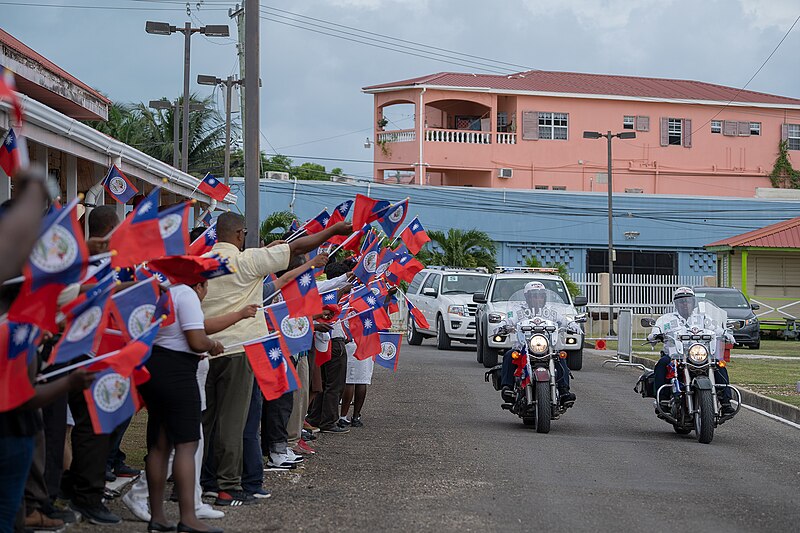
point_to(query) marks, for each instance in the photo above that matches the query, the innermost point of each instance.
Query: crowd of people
(245, 357)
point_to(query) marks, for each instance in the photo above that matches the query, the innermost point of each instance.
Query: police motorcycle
(690, 399)
(539, 334)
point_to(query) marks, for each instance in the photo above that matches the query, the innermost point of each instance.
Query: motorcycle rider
(685, 305)
(536, 298)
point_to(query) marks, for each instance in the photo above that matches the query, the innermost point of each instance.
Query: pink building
(525, 131)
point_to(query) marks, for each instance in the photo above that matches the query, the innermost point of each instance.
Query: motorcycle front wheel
(543, 407)
(704, 418)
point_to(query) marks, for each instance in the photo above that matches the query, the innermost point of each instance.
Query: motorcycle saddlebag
(496, 376)
(646, 385)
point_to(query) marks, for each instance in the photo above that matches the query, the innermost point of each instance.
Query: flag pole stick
(20, 279)
(250, 341)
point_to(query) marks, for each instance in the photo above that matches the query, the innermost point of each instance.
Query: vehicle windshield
(724, 299)
(464, 283)
(505, 289)
(546, 304)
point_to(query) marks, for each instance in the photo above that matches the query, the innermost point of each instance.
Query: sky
(311, 100)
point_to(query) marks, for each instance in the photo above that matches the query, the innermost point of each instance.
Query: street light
(608, 135)
(228, 83)
(165, 104)
(164, 28)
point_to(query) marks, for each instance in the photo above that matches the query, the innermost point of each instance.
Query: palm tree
(459, 248)
(563, 273)
(275, 225)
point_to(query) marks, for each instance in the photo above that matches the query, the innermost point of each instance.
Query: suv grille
(472, 309)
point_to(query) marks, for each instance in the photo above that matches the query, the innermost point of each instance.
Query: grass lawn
(134, 442)
(772, 347)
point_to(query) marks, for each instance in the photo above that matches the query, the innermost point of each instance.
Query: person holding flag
(230, 378)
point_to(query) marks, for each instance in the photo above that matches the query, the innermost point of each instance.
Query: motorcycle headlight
(538, 345)
(698, 354)
(459, 310)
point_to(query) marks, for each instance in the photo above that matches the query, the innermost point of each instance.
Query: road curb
(753, 399)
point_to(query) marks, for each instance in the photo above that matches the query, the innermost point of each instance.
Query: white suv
(493, 307)
(444, 296)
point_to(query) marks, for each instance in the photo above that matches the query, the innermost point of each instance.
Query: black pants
(660, 377)
(116, 457)
(87, 475)
(507, 375)
(54, 417)
(324, 410)
(275, 416)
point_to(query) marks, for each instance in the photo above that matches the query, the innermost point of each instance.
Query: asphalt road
(438, 454)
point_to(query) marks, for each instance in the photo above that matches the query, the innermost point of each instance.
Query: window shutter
(730, 128)
(744, 129)
(664, 131)
(642, 123)
(530, 125)
(784, 132)
(687, 132)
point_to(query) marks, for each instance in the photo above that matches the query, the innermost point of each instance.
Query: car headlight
(698, 354)
(459, 310)
(494, 318)
(538, 345)
(750, 321)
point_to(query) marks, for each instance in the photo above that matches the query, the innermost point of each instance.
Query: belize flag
(366, 210)
(58, 258)
(119, 186)
(390, 350)
(10, 160)
(267, 362)
(302, 296)
(318, 223)
(367, 267)
(296, 334)
(130, 356)
(204, 242)
(112, 399)
(214, 188)
(18, 344)
(134, 308)
(393, 218)
(365, 334)
(414, 236)
(173, 224)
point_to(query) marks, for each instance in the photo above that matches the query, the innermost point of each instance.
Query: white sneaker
(206, 512)
(139, 508)
(280, 461)
(293, 457)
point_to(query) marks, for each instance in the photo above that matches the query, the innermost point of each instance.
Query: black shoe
(727, 409)
(110, 477)
(507, 394)
(233, 498)
(65, 515)
(343, 422)
(356, 422)
(187, 529)
(155, 527)
(97, 514)
(308, 436)
(566, 396)
(335, 429)
(124, 470)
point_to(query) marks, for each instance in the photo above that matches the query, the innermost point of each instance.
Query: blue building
(653, 234)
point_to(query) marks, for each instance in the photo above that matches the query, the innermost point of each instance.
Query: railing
(633, 289)
(397, 136)
(506, 138)
(458, 136)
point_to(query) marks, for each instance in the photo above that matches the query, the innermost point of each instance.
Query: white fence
(397, 136)
(458, 136)
(633, 289)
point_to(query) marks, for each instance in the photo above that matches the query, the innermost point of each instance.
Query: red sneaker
(304, 449)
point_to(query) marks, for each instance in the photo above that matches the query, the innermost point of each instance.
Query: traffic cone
(600, 344)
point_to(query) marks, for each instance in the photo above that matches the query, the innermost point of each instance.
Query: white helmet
(535, 294)
(684, 300)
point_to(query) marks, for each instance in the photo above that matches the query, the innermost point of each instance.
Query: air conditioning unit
(505, 173)
(272, 175)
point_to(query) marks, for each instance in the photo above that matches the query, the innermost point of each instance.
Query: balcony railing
(397, 136)
(458, 136)
(506, 138)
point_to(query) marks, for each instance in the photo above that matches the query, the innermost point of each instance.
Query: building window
(793, 139)
(716, 126)
(755, 128)
(628, 122)
(674, 131)
(502, 121)
(542, 187)
(634, 262)
(553, 126)
(559, 187)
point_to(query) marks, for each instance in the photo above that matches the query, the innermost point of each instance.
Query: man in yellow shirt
(230, 378)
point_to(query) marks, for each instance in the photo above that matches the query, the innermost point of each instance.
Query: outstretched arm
(216, 324)
(309, 242)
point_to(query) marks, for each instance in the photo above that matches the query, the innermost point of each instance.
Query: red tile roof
(12, 42)
(784, 234)
(599, 84)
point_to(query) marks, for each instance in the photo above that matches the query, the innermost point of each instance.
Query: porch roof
(784, 234)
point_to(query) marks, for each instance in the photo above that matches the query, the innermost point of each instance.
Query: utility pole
(228, 84)
(187, 49)
(252, 153)
(176, 152)
(238, 14)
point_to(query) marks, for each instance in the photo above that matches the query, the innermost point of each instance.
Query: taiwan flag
(119, 186)
(405, 267)
(393, 218)
(112, 399)
(366, 210)
(322, 349)
(382, 319)
(130, 356)
(58, 258)
(340, 213)
(18, 343)
(318, 223)
(414, 236)
(301, 295)
(365, 334)
(214, 188)
(134, 308)
(205, 242)
(417, 316)
(10, 157)
(86, 323)
(138, 238)
(297, 334)
(390, 350)
(266, 359)
(292, 379)
(8, 92)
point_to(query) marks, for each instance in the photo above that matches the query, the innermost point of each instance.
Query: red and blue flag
(10, 156)
(173, 224)
(340, 213)
(134, 308)
(302, 296)
(112, 399)
(138, 238)
(119, 186)
(404, 268)
(318, 223)
(130, 356)
(366, 210)
(296, 334)
(18, 343)
(266, 359)
(365, 334)
(214, 188)
(394, 217)
(8, 93)
(367, 267)
(390, 350)
(417, 316)
(205, 242)
(414, 236)
(292, 379)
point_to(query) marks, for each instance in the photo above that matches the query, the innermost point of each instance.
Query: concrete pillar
(605, 293)
(39, 154)
(709, 281)
(71, 175)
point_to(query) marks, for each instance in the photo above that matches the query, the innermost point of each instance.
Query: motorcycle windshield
(706, 315)
(544, 304)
